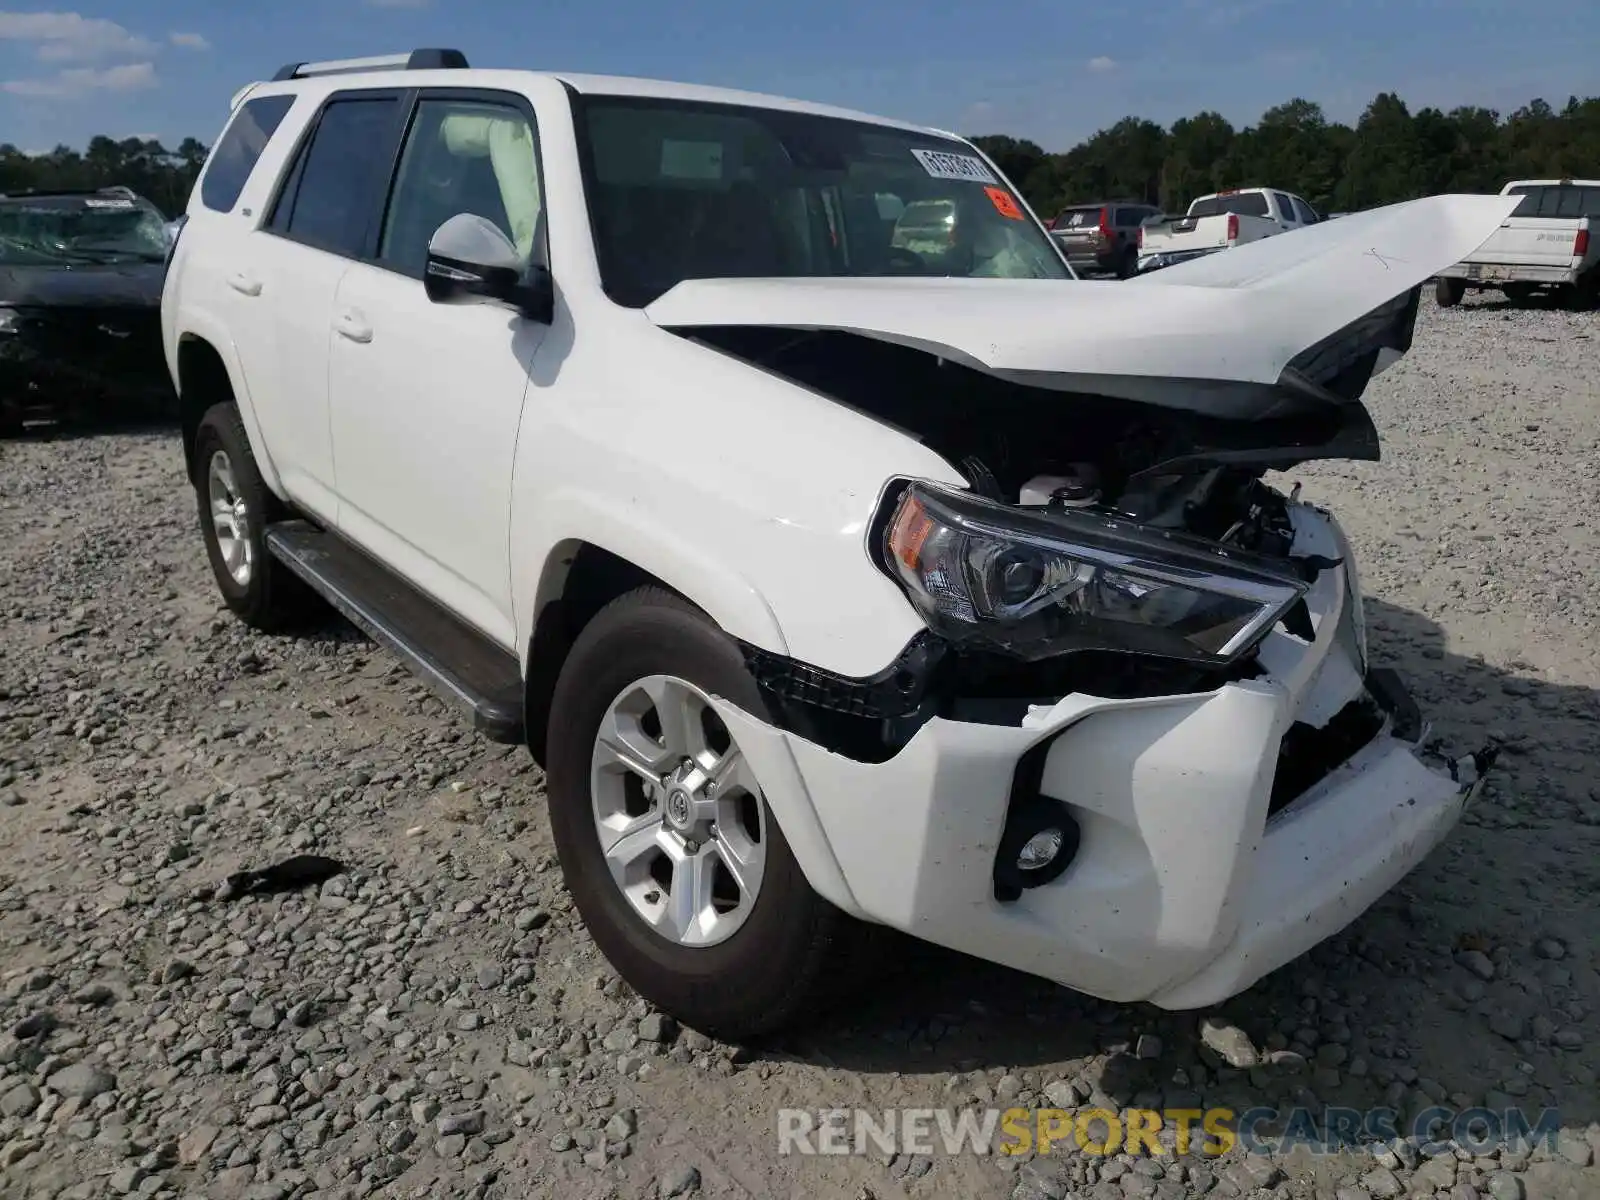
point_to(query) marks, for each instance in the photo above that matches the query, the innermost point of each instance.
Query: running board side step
(459, 664)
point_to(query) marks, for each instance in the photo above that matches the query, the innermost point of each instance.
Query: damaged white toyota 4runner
(839, 556)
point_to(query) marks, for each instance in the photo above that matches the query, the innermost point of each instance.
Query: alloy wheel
(230, 519)
(678, 812)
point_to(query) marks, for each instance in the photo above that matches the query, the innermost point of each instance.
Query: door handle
(244, 284)
(349, 324)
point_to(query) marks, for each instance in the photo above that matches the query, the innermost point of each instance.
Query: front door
(427, 398)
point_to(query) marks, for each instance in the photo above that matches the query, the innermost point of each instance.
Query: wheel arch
(581, 575)
(207, 374)
(580, 578)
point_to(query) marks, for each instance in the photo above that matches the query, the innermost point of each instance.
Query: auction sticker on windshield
(1004, 203)
(954, 166)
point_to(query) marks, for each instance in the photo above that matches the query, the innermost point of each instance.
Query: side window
(336, 186)
(462, 156)
(1285, 205)
(1305, 212)
(240, 149)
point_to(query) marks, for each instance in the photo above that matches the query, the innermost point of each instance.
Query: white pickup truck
(1219, 222)
(1545, 243)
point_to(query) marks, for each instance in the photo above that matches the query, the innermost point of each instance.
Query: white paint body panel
(474, 453)
(424, 487)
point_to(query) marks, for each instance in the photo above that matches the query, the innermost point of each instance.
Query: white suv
(833, 582)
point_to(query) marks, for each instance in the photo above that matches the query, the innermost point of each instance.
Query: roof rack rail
(417, 60)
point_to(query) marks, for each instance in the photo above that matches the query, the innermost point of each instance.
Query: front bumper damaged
(1212, 836)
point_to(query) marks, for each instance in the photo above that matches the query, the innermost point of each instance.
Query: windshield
(64, 230)
(1246, 204)
(686, 190)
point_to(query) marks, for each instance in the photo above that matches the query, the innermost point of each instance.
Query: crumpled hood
(121, 285)
(1241, 316)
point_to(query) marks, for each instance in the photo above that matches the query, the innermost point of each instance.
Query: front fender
(569, 519)
(566, 519)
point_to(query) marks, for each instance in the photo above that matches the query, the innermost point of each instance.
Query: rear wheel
(668, 846)
(1585, 293)
(1448, 292)
(1128, 264)
(1519, 293)
(235, 506)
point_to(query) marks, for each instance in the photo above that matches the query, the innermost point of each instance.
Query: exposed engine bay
(1194, 476)
(1161, 467)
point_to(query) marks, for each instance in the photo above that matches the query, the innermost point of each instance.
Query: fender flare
(567, 519)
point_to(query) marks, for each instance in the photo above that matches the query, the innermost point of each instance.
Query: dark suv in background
(1102, 238)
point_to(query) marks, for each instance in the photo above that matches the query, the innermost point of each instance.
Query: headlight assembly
(1037, 584)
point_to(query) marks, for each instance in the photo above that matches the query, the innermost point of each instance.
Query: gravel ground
(436, 1023)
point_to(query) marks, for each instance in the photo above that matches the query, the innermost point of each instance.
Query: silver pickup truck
(1546, 243)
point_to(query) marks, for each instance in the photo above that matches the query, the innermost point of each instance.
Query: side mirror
(469, 258)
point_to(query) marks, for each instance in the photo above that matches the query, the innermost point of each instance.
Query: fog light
(1040, 838)
(1040, 850)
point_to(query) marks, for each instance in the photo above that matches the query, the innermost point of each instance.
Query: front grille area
(91, 350)
(1309, 755)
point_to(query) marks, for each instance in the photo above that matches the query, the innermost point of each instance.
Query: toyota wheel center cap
(678, 808)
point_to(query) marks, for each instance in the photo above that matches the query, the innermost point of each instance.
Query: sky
(1050, 70)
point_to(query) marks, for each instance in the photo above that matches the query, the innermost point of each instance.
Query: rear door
(1542, 231)
(207, 280)
(320, 222)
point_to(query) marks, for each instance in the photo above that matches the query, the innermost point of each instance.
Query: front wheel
(664, 834)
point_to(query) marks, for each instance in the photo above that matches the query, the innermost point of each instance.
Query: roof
(621, 85)
(590, 85)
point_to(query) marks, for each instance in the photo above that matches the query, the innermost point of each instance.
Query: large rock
(1229, 1041)
(83, 1080)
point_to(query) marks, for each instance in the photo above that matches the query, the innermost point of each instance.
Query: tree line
(162, 176)
(1390, 154)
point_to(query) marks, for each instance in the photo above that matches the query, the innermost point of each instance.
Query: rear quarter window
(236, 155)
